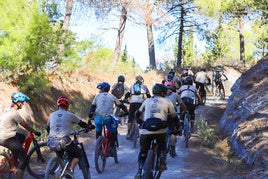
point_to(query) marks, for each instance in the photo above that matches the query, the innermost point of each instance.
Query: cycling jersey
(105, 104)
(9, 122)
(187, 91)
(141, 97)
(61, 123)
(201, 77)
(156, 107)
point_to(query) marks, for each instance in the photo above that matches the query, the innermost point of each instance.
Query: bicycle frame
(12, 160)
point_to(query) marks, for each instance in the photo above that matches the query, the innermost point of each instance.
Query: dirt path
(192, 162)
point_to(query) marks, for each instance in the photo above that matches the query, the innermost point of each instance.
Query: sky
(135, 38)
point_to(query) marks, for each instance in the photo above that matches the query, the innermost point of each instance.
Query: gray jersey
(156, 107)
(201, 77)
(105, 103)
(61, 123)
(9, 123)
(139, 98)
(175, 99)
(188, 91)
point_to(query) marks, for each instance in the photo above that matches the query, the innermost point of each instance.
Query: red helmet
(63, 101)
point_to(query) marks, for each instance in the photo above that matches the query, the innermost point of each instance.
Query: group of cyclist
(158, 115)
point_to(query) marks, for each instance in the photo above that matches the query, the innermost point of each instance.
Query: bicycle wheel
(100, 158)
(84, 164)
(135, 135)
(221, 93)
(148, 165)
(115, 155)
(168, 143)
(38, 158)
(186, 131)
(54, 168)
(5, 165)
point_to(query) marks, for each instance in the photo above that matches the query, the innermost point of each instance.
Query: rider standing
(201, 78)
(103, 106)
(9, 137)
(138, 93)
(218, 76)
(59, 126)
(171, 77)
(188, 94)
(116, 86)
(156, 110)
(173, 125)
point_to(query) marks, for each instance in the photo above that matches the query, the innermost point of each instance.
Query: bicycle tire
(115, 156)
(37, 164)
(84, 164)
(186, 130)
(5, 165)
(221, 93)
(51, 171)
(148, 165)
(135, 135)
(168, 143)
(100, 158)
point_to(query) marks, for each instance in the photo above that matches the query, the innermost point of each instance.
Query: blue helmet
(158, 89)
(188, 80)
(104, 86)
(19, 97)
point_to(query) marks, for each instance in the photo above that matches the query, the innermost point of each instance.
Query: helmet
(121, 78)
(63, 101)
(171, 71)
(203, 68)
(104, 86)
(139, 79)
(219, 67)
(159, 88)
(188, 80)
(19, 97)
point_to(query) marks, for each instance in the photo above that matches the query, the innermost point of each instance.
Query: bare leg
(20, 173)
(74, 163)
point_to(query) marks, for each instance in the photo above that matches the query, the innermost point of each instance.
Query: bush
(206, 133)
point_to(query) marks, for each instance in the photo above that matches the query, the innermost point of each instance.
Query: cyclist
(156, 110)
(187, 71)
(201, 78)
(188, 94)
(103, 106)
(173, 125)
(171, 77)
(59, 127)
(218, 76)
(10, 120)
(116, 87)
(138, 93)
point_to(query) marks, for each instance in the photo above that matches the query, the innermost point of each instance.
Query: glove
(90, 115)
(37, 133)
(90, 125)
(86, 130)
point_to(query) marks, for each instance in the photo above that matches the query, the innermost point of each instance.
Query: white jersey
(105, 103)
(175, 99)
(156, 107)
(187, 91)
(61, 123)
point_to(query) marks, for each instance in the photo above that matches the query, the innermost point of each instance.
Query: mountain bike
(186, 128)
(218, 90)
(103, 148)
(38, 157)
(134, 133)
(152, 161)
(57, 166)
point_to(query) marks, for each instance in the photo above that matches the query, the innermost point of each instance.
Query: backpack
(137, 89)
(169, 81)
(118, 90)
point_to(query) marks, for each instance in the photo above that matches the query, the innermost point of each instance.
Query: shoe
(127, 137)
(111, 151)
(69, 174)
(162, 166)
(172, 153)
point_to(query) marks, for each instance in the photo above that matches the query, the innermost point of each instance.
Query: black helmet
(104, 86)
(121, 78)
(188, 80)
(139, 79)
(203, 68)
(159, 88)
(171, 71)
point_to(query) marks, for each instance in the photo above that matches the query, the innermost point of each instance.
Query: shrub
(206, 133)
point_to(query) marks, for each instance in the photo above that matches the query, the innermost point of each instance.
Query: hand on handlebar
(37, 133)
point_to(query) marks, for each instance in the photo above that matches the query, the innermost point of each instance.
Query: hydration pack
(118, 90)
(137, 89)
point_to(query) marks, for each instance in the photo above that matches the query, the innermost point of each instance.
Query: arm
(29, 128)
(92, 110)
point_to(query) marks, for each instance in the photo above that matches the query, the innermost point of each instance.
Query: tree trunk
(242, 42)
(179, 54)
(120, 35)
(151, 50)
